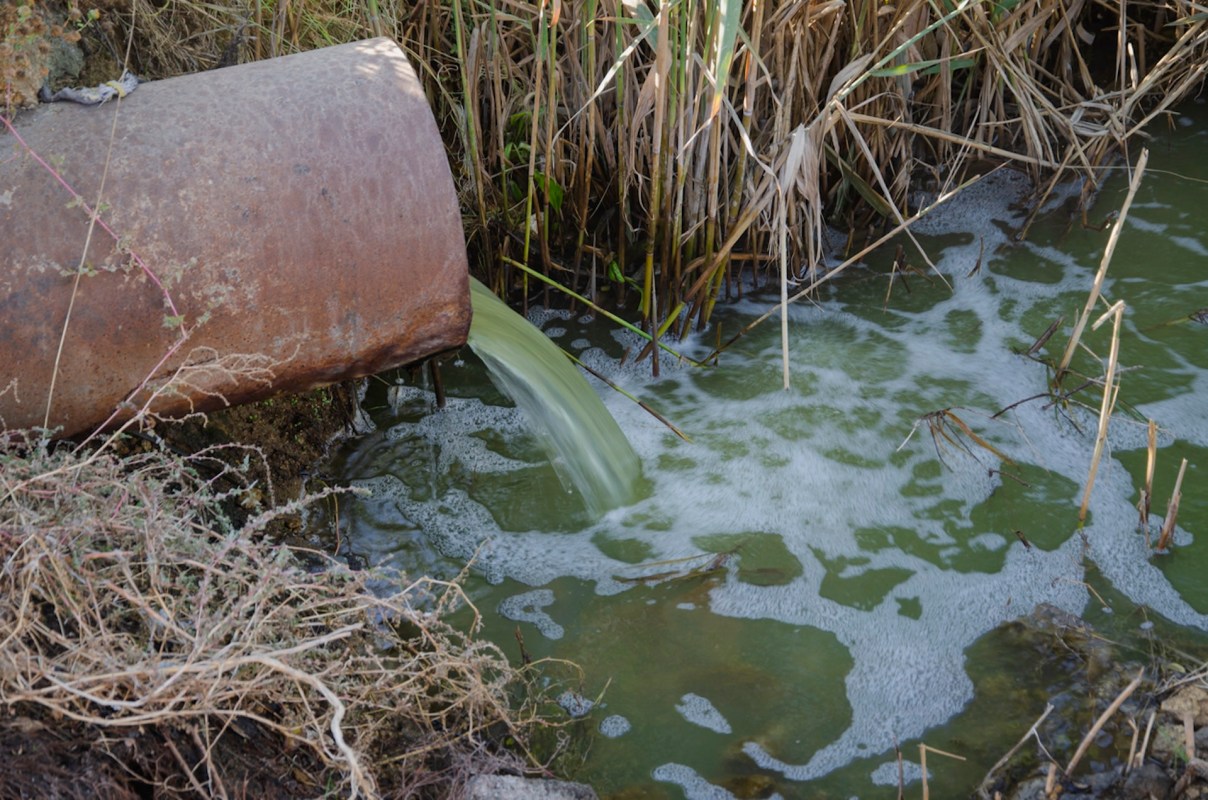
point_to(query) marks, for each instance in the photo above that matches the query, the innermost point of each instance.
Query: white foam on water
(1195, 245)
(454, 429)
(699, 711)
(888, 773)
(401, 395)
(695, 787)
(834, 456)
(966, 213)
(614, 726)
(541, 316)
(575, 704)
(527, 607)
(1142, 224)
(1189, 406)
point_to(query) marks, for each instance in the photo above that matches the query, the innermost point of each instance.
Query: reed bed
(665, 152)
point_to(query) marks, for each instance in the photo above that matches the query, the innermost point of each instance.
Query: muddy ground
(283, 439)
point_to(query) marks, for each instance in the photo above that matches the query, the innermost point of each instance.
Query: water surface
(824, 571)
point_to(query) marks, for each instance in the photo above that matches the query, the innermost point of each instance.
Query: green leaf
(1189, 19)
(644, 19)
(930, 67)
(869, 194)
(551, 187)
(730, 19)
(1002, 8)
(614, 272)
(173, 322)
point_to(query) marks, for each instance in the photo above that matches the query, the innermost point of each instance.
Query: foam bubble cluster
(699, 711)
(614, 725)
(575, 704)
(888, 774)
(528, 607)
(694, 786)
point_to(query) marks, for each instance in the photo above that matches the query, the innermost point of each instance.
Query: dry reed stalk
(1097, 285)
(552, 177)
(1085, 744)
(530, 220)
(1132, 745)
(587, 140)
(1172, 509)
(657, 90)
(983, 790)
(470, 55)
(1050, 780)
(945, 426)
(1189, 735)
(549, 99)
(1140, 758)
(923, 751)
(782, 226)
(1110, 390)
(1151, 460)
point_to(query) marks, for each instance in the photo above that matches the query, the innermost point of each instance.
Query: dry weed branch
(126, 604)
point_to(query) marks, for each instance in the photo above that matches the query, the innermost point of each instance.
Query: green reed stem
(629, 326)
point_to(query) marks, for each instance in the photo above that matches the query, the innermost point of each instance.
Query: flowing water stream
(582, 440)
(806, 583)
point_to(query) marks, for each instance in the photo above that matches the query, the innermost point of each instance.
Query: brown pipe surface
(298, 212)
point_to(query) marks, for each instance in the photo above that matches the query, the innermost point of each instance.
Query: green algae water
(822, 573)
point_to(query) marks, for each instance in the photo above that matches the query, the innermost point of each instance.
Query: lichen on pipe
(295, 216)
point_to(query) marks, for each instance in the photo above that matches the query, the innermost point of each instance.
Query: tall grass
(662, 153)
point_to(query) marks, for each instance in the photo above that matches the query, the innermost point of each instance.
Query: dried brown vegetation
(665, 149)
(195, 658)
(27, 41)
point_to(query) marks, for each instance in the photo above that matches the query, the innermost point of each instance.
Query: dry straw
(668, 149)
(130, 605)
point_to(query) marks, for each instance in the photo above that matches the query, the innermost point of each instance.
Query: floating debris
(94, 95)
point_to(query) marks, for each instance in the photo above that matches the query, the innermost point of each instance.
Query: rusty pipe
(296, 217)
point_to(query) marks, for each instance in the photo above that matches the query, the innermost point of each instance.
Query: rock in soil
(512, 787)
